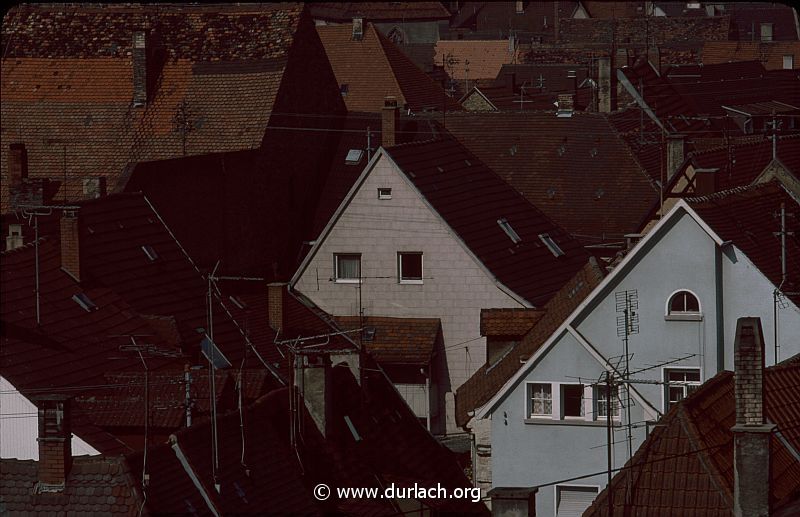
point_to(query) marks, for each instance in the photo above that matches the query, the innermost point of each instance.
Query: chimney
(17, 164)
(389, 122)
(55, 442)
(313, 379)
(566, 103)
(276, 313)
(358, 29)
(70, 245)
(512, 80)
(513, 501)
(676, 145)
(139, 69)
(751, 436)
(604, 84)
(14, 238)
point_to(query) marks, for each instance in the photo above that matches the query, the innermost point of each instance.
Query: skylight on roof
(354, 156)
(238, 302)
(353, 431)
(551, 245)
(214, 354)
(150, 252)
(506, 226)
(85, 302)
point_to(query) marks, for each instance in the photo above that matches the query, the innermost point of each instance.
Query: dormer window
(683, 305)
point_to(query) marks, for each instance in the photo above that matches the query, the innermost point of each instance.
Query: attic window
(85, 302)
(551, 245)
(384, 193)
(354, 156)
(150, 252)
(343, 89)
(506, 226)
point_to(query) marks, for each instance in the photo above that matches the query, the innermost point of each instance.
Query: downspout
(719, 308)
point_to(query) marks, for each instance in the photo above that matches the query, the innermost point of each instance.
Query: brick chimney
(389, 122)
(604, 84)
(70, 245)
(751, 435)
(276, 314)
(139, 69)
(17, 164)
(55, 442)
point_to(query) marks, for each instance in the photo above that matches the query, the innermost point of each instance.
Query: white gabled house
(708, 262)
(428, 231)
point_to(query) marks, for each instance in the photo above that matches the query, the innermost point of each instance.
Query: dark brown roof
(747, 16)
(374, 67)
(473, 200)
(746, 216)
(770, 54)
(509, 322)
(686, 463)
(397, 340)
(94, 486)
(379, 11)
(488, 380)
(576, 170)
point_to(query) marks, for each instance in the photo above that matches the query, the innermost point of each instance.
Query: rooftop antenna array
(777, 294)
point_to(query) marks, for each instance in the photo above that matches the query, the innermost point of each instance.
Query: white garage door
(571, 501)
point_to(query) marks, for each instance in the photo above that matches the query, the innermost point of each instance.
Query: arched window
(683, 304)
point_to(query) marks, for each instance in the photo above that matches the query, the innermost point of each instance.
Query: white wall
(19, 427)
(455, 287)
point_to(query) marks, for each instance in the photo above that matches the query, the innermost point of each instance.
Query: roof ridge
(24, 247)
(722, 194)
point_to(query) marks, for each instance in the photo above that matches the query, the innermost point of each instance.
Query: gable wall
(455, 288)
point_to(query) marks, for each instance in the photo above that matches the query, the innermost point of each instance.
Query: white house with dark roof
(428, 231)
(678, 293)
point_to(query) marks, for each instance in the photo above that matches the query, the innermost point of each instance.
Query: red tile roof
(94, 486)
(488, 380)
(509, 322)
(770, 54)
(450, 177)
(746, 216)
(474, 59)
(397, 340)
(379, 11)
(374, 67)
(576, 170)
(686, 463)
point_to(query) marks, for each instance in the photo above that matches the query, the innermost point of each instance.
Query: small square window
(347, 267)
(540, 400)
(384, 193)
(679, 384)
(601, 404)
(788, 62)
(344, 89)
(572, 400)
(409, 267)
(766, 32)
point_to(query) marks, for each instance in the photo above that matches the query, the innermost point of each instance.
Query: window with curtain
(347, 267)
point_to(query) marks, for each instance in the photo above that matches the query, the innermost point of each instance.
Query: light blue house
(708, 262)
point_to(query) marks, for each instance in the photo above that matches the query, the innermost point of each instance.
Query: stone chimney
(139, 69)
(313, 379)
(566, 105)
(676, 148)
(389, 122)
(358, 29)
(55, 442)
(513, 501)
(276, 315)
(604, 84)
(751, 435)
(17, 164)
(70, 245)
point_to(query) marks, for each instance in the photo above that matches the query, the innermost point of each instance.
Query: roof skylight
(506, 226)
(353, 156)
(551, 245)
(150, 252)
(85, 302)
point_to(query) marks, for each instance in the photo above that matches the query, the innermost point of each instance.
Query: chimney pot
(139, 69)
(55, 441)
(358, 29)
(17, 164)
(390, 118)
(70, 245)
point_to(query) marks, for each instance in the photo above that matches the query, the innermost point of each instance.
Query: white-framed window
(766, 32)
(683, 305)
(347, 267)
(788, 62)
(540, 400)
(409, 267)
(678, 384)
(573, 500)
(572, 401)
(601, 403)
(384, 193)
